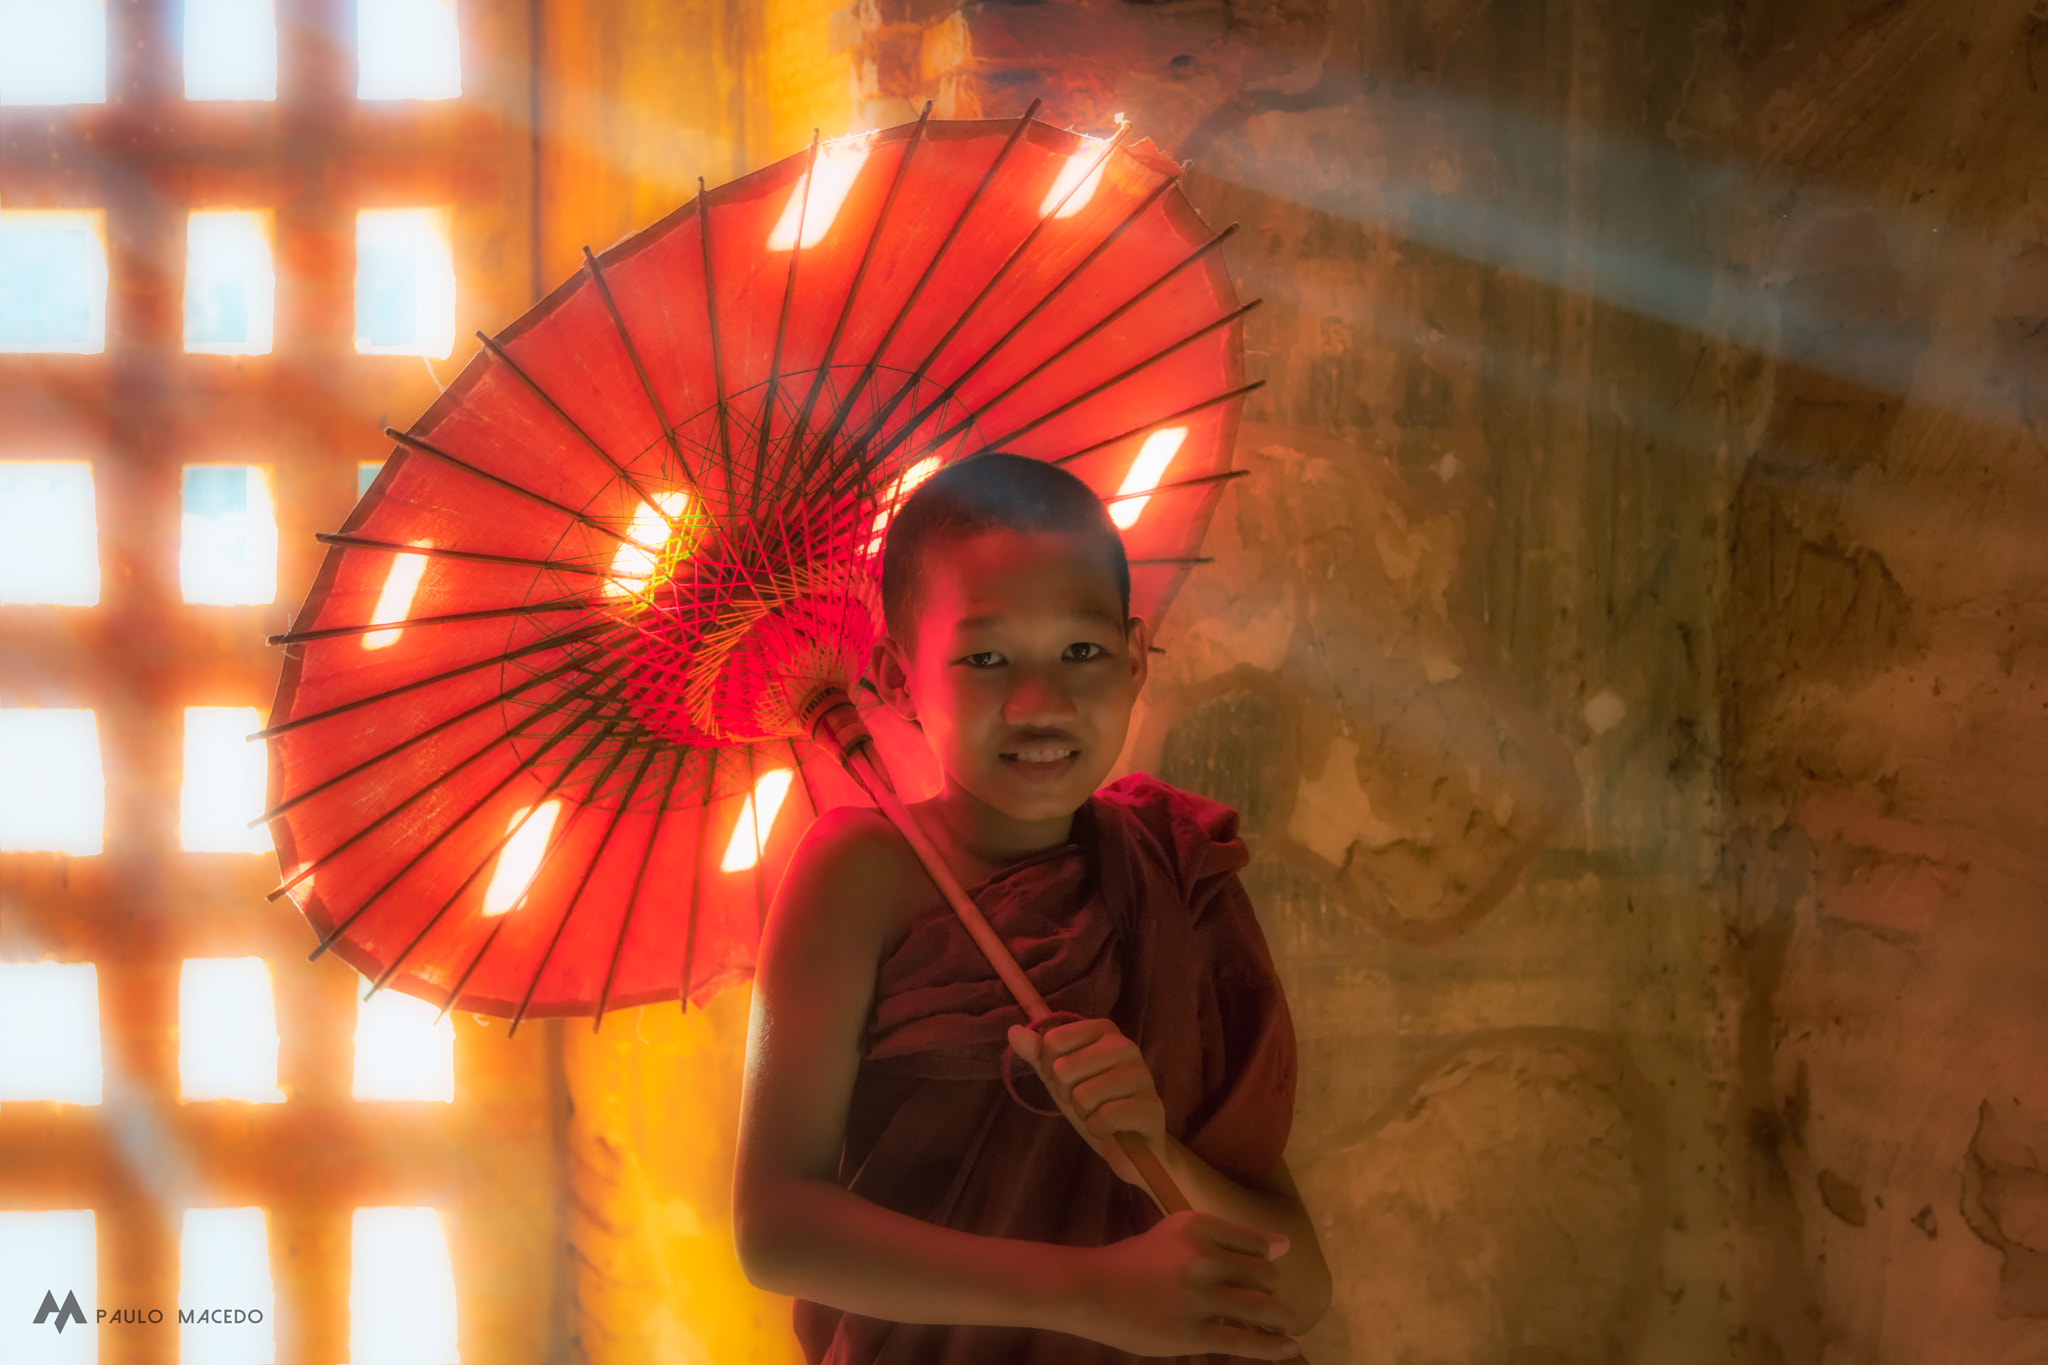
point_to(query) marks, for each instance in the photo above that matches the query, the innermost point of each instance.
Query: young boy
(887, 1177)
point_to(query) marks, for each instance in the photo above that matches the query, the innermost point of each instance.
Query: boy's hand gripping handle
(836, 724)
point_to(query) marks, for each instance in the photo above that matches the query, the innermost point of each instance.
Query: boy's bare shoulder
(853, 867)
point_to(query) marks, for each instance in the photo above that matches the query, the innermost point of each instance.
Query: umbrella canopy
(536, 747)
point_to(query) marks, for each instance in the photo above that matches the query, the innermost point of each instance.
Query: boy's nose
(1036, 700)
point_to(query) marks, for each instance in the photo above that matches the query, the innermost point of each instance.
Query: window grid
(124, 396)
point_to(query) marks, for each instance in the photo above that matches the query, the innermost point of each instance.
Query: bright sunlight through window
(51, 1253)
(53, 51)
(52, 791)
(1144, 475)
(839, 166)
(401, 1052)
(227, 550)
(366, 474)
(757, 820)
(224, 780)
(230, 50)
(405, 283)
(53, 277)
(401, 1289)
(520, 860)
(394, 601)
(227, 1031)
(49, 1033)
(407, 50)
(224, 1266)
(230, 285)
(634, 563)
(49, 536)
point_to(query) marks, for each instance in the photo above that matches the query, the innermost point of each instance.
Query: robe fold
(1140, 919)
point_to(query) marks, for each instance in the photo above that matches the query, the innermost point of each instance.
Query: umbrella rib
(467, 556)
(589, 871)
(711, 316)
(1190, 339)
(845, 407)
(611, 307)
(1093, 331)
(1174, 487)
(1002, 272)
(697, 879)
(954, 384)
(560, 604)
(513, 731)
(415, 443)
(860, 274)
(1175, 561)
(590, 745)
(547, 400)
(796, 252)
(1188, 411)
(439, 727)
(661, 811)
(552, 642)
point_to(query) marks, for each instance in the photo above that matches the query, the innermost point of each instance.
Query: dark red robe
(1140, 919)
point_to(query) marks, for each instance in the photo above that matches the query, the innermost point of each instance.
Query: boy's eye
(1083, 650)
(987, 658)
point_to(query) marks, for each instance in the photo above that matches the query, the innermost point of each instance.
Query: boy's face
(1023, 669)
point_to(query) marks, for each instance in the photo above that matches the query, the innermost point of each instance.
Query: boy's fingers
(1249, 1308)
(1075, 1036)
(1228, 1236)
(1224, 1339)
(1025, 1044)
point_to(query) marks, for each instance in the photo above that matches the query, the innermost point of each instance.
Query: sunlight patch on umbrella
(635, 564)
(1145, 472)
(520, 859)
(224, 1263)
(50, 1032)
(401, 582)
(402, 1050)
(49, 539)
(52, 790)
(838, 167)
(906, 484)
(757, 820)
(223, 783)
(227, 1031)
(401, 1289)
(1078, 179)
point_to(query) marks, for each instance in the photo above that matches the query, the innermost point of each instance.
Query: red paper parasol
(542, 741)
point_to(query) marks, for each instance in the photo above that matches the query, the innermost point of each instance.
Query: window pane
(49, 1034)
(366, 474)
(54, 52)
(48, 1254)
(230, 50)
(405, 283)
(401, 1053)
(224, 1273)
(227, 553)
(227, 1031)
(52, 791)
(407, 50)
(53, 279)
(401, 1290)
(224, 779)
(230, 284)
(49, 537)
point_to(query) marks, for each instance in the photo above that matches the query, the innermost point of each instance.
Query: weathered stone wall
(1627, 653)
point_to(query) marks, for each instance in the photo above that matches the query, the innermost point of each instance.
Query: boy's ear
(1138, 644)
(890, 673)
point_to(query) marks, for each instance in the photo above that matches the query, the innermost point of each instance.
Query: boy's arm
(799, 1233)
(1100, 1081)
